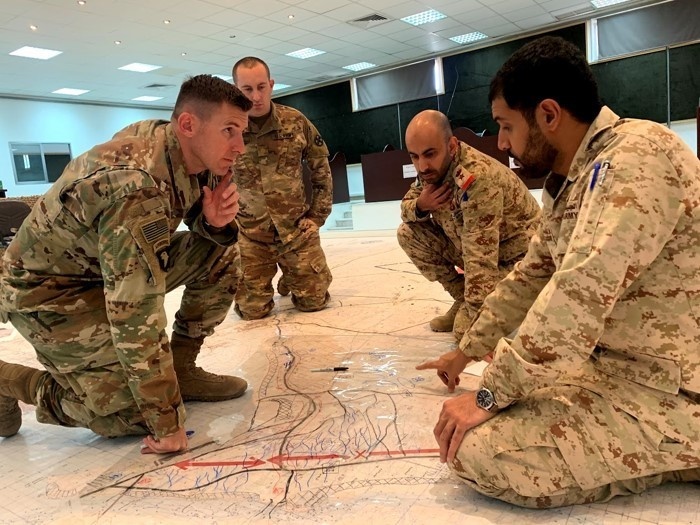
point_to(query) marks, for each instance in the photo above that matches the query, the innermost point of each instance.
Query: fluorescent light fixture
(278, 87)
(307, 52)
(469, 37)
(425, 17)
(71, 91)
(360, 66)
(605, 3)
(227, 78)
(35, 52)
(138, 67)
(147, 98)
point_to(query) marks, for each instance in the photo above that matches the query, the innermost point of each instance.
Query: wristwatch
(485, 400)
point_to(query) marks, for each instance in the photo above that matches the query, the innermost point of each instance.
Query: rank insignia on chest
(318, 140)
(463, 179)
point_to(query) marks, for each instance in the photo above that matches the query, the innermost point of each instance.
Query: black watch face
(484, 398)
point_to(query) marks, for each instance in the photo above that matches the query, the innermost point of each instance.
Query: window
(412, 82)
(643, 29)
(37, 163)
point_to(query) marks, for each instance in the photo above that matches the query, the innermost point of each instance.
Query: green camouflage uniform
(273, 201)
(85, 277)
(604, 373)
(485, 229)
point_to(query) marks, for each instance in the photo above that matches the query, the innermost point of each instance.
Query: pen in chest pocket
(603, 172)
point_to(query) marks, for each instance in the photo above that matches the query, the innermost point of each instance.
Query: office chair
(12, 213)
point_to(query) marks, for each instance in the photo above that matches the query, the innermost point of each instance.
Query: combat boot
(282, 287)
(197, 384)
(445, 322)
(17, 382)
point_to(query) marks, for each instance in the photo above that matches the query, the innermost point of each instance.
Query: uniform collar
(457, 162)
(185, 186)
(597, 135)
(271, 124)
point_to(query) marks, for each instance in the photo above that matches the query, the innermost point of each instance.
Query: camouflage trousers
(88, 387)
(303, 265)
(565, 445)
(434, 254)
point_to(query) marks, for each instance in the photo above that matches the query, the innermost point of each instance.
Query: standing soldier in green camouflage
(85, 277)
(601, 384)
(465, 209)
(277, 225)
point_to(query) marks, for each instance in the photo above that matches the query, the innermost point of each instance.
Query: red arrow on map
(399, 453)
(250, 463)
(286, 459)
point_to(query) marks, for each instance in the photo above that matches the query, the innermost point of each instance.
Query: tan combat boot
(17, 382)
(445, 322)
(197, 384)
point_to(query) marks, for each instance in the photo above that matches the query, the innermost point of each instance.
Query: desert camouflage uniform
(273, 201)
(604, 373)
(485, 230)
(85, 277)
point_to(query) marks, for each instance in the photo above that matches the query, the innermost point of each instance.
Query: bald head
(432, 122)
(430, 145)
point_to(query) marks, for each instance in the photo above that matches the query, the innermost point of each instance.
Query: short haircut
(249, 62)
(549, 67)
(205, 93)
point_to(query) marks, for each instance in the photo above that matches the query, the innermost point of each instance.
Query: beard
(539, 155)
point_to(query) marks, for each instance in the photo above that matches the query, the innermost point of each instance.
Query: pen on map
(331, 369)
(596, 168)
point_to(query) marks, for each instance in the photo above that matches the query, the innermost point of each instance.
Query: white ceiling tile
(457, 8)
(408, 33)
(405, 9)
(555, 5)
(445, 23)
(505, 29)
(379, 5)
(487, 23)
(524, 13)
(319, 22)
(511, 5)
(260, 8)
(349, 12)
(537, 21)
(475, 14)
(321, 6)
(339, 30)
(315, 40)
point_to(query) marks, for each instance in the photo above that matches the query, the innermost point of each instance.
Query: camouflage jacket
(491, 218)
(269, 176)
(609, 291)
(98, 239)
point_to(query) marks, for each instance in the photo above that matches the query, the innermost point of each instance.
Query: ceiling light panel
(360, 66)
(147, 98)
(469, 37)
(424, 17)
(278, 87)
(605, 3)
(307, 52)
(139, 67)
(71, 91)
(35, 52)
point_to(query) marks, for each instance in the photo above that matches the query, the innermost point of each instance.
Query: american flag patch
(155, 230)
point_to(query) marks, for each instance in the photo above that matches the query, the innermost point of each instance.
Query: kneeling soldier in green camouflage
(84, 279)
